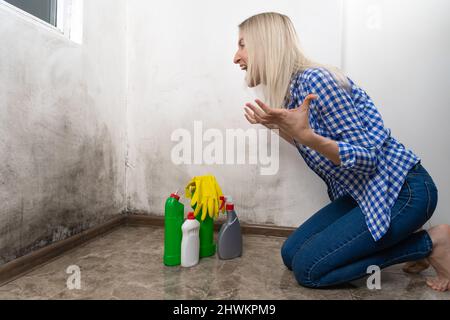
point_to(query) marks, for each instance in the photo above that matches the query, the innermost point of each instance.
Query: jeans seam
(429, 200)
(406, 203)
(403, 256)
(385, 263)
(327, 255)
(307, 241)
(349, 241)
(298, 247)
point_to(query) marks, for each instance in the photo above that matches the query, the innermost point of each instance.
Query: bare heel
(416, 267)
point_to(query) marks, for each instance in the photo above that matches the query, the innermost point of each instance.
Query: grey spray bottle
(229, 244)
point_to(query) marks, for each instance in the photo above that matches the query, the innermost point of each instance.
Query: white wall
(180, 70)
(62, 128)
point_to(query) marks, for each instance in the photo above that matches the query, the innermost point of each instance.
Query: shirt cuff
(357, 158)
(346, 154)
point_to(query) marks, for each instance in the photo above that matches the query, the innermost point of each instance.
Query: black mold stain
(78, 198)
(10, 233)
(163, 178)
(83, 187)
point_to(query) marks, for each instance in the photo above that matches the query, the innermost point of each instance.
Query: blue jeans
(335, 246)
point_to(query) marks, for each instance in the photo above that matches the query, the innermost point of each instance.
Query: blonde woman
(380, 192)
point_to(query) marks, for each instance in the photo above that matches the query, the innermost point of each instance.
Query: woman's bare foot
(416, 266)
(440, 257)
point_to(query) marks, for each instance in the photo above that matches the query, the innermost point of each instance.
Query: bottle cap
(229, 203)
(191, 216)
(175, 196)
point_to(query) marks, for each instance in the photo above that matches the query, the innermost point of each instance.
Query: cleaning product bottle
(207, 245)
(173, 220)
(190, 245)
(230, 235)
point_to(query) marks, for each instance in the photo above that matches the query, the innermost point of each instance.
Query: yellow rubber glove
(205, 194)
(193, 190)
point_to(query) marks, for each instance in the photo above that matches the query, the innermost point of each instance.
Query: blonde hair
(275, 56)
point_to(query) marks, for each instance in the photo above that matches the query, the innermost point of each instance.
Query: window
(63, 15)
(43, 9)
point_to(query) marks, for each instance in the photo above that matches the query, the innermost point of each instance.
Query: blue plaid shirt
(374, 165)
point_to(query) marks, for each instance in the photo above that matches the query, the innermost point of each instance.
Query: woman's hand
(293, 122)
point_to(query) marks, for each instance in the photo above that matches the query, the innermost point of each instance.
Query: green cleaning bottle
(207, 244)
(173, 220)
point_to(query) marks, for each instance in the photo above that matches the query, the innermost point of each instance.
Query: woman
(380, 192)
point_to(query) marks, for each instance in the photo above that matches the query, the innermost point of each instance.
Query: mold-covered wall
(62, 128)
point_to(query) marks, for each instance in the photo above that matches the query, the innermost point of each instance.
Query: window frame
(28, 15)
(64, 21)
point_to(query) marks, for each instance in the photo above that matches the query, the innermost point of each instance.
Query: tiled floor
(127, 264)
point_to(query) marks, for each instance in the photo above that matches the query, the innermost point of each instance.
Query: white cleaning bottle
(190, 244)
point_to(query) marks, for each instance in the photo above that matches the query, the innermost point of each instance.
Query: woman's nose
(236, 59)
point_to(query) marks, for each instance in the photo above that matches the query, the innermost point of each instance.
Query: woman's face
(241, 57)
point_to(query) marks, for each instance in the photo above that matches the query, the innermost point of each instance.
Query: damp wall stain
(62, 129)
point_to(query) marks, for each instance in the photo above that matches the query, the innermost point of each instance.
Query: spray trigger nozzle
(226, 201)
(223, 201)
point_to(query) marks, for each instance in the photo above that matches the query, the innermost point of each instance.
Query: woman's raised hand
(294, 122)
